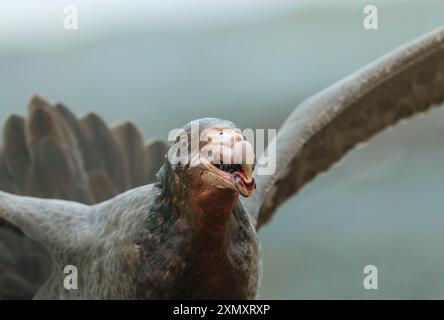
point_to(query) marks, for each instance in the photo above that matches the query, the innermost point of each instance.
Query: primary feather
(53, 154)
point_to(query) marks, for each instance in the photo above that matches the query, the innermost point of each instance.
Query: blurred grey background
(162, 63)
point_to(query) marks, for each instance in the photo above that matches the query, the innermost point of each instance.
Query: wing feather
(15, 156)
(56, 168)
(325, 127)
(155, 151)
(131, 143)
(107, 155)
(53, 154)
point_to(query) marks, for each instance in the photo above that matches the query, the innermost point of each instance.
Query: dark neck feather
(207, 210)
(186, 252)
(171, 200)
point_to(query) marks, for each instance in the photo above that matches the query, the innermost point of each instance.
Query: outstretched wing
(34, 225)
(326, 126)
(52, 154)
(45, 221)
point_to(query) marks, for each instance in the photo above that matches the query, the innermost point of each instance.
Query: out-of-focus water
(383, 206)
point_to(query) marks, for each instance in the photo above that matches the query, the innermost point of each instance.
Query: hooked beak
(244, 181)
(231, 162)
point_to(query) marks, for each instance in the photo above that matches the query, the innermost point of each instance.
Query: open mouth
(230, 168)
(240, 177)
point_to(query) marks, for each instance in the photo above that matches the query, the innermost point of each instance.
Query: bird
(156, 221)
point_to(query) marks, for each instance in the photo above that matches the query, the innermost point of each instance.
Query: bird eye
(184, 143)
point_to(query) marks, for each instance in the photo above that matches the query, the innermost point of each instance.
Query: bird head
(211, 155)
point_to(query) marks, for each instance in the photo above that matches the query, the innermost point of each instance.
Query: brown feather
(15, 157)
(52, 154)
(107, 156)
(77, 130)
(155, 151)
(57, 169)
(101, 186)
(131, 144)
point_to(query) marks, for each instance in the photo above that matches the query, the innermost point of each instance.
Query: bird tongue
(244, 183)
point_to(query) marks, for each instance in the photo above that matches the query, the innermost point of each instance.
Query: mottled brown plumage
(188, 235)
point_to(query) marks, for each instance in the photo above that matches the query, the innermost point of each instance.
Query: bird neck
(211, 212)
(208, 211)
